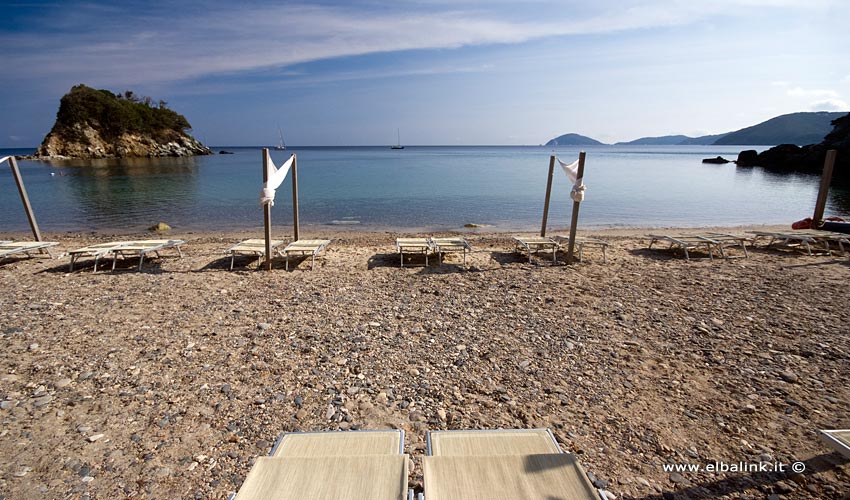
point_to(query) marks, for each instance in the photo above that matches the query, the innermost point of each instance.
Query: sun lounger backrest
(375, 477)
(526, 477)
(492, 442)
(359, 443)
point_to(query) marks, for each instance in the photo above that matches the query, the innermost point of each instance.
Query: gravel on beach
(168, 383)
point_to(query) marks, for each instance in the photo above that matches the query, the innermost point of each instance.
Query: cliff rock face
(126, 145)
(99, 124)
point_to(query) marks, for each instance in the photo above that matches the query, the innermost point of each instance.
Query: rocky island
(94, 123)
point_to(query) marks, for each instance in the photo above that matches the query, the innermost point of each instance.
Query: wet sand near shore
(168, 383)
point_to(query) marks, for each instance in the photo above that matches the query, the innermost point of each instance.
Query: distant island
(573, 140)
(793, 128)
(94, 123)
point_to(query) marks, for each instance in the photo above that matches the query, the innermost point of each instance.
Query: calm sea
(418, 188)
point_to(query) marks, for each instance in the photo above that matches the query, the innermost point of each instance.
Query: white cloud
(830, 105)
(812, 93)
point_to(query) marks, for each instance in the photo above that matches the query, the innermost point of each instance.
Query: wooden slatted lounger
(582, 242)
(838, 440)
(306, 247)
(526, 464)
(362, 465)
(445, 245)
(415, 245)
(686, 242)
(255, 247)
(144, 247)
(535, 244)
(8, 248)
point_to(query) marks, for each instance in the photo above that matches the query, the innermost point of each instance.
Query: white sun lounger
(8, 248)
(838, 440)
(534, 245)
(143, 248)
(255, 247)
(515, 464)
(413, 245)
(788, 239)
(97, 251)
(686, 242)
(445, 245)
(583, 242)
(358, 465)
(306, 247)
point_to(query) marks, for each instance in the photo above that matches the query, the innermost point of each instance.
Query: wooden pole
(548, 195)
(574, 221)
(24, 198)
(825, 179)
(295, 197)
(267, 213)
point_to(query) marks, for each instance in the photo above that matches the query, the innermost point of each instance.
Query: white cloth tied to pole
(577, 192)
(275, 178)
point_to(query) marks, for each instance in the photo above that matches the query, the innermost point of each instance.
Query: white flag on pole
(577, 192)
(275, 178)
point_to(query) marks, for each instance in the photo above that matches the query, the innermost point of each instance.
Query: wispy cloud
(170, 44)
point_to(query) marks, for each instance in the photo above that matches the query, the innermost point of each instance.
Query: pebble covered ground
(168, 383)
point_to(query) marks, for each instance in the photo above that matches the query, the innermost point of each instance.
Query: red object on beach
(802, 224)
(807, 222)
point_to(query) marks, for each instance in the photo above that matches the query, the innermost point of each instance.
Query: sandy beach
(168, 383)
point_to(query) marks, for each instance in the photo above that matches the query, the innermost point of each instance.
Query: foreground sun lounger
(445, 245)
(306, 247)
(358, 465)
(141, 248)
(838, 440)
(583, 242)
(97, 251)
(413, 245)
(9, 248)
(254, 247)
(826, 237)
(789, 239)
(122, 249)
(534, 245)
(686, 242)
(515, 464)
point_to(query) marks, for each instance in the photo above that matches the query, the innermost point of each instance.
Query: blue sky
(443, 72)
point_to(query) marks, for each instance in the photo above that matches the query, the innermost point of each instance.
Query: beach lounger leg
(71, 267)
(287, 261)
(580, 247)
(313, 262)
(96, 258)
(142, 259)
(401, 257)
(464, 257)
(687, 257)
(179, 252)
(426, 257)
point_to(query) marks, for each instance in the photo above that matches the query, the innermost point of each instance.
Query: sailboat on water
(281, 146)
(398, 141)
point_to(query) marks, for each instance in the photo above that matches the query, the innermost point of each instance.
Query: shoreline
(347, 231)
(171, 381)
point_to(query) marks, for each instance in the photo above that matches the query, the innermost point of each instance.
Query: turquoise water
(418, 188)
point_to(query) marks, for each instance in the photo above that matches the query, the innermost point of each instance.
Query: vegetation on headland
(115, 114)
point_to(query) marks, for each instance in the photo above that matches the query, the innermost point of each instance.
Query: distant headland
(794, 128)
(94, 123)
